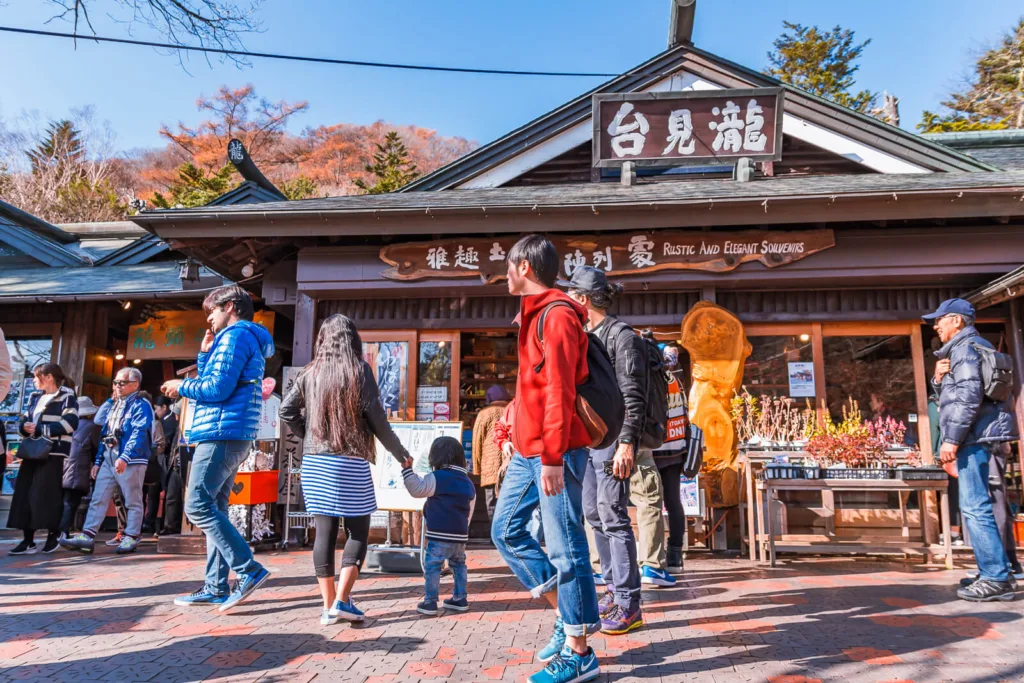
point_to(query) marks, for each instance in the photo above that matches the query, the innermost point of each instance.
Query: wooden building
(900, 222)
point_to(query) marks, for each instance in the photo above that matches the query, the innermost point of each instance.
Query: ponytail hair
(56, 372)
(602, 299)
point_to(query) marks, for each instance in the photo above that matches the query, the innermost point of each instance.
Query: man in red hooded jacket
(550, 459)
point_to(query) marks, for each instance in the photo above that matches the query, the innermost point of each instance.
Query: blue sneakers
(244, 588)
(656, 577)
(569, 667)
(460, 605)
(348, 610)
(201, 598)
(555, 645)
(599, 579)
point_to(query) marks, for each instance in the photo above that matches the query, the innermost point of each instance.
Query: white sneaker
(328, 618)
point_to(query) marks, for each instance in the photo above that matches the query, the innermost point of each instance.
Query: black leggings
(674, 504)
(357, 529)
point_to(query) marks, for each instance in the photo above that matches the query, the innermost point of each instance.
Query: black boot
(675, 560)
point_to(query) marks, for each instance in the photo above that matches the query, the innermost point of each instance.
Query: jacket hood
(262, 334)
(947, 348)
(532, 305)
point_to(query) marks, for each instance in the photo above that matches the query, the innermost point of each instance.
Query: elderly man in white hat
(84, 444)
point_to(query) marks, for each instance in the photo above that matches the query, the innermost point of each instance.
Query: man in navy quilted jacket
(227, 396)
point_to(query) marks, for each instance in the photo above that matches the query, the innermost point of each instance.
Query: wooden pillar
(305, 327)
(78, 321)
(818, 353)
(1016, 337)
(924, 430)
(708, 293)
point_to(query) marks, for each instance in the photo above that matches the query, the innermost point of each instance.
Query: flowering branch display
(769, 420)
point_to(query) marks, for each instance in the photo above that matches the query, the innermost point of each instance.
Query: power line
(299, 58)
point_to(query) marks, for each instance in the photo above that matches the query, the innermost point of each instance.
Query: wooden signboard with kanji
(702, 127)
(176, 335)
(615, 253)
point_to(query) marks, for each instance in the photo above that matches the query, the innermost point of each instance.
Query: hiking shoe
(348, 610)
(427, 607)
(964, 583)
(201, 598)
(328, 618)
(675, 560)
(79, 542)
(51, 545)
(24, 548)
(244, 588)
(128, 545)
(116, 540)
(984, 590)
(569, 667)
(605, 604)
(656, 577)
(555, 645)
(599, 579)
(620, 621)
(460, 605)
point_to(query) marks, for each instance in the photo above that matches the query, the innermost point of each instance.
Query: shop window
(781, 366)
(389, 361)
(433, 400)
(875, 371)
(489, 359)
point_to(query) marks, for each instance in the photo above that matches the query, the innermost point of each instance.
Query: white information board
(387, 472)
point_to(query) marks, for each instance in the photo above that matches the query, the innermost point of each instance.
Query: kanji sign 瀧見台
(614, 253)
(175, 335)
(674, 128)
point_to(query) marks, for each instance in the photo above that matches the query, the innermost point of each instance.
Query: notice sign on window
(801, 380)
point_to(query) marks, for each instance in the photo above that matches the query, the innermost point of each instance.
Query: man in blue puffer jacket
(227, 398)
(975, 431)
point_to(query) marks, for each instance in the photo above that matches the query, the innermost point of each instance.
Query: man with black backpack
(551, 428)
(974, 383)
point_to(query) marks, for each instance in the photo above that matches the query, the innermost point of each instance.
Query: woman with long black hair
(334, 407)
(52, 414)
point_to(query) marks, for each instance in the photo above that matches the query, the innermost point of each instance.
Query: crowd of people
(558, 462)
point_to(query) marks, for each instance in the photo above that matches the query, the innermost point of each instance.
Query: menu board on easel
(387, 472)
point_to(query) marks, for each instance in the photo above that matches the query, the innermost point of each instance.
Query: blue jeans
(976, 507)
(436, 553)
(209, 485)
(605, 504)
(566, 565)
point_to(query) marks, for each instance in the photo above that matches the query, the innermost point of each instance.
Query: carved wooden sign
(677, 128)
(615, 253)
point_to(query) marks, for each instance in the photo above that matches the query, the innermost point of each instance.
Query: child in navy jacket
(450, 498)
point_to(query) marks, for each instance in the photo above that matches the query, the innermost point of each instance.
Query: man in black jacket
(974, 428)
(171, 462)
(606, 483)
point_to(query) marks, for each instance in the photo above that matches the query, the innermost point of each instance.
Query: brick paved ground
(70, 618)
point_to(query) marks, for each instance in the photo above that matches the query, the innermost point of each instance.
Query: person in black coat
(77, 466)
(51, 413)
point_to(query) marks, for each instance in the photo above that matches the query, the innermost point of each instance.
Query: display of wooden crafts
(718, 349)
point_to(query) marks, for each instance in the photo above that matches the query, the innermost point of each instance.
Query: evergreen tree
(822, 63)
(299, 188)
(61, 150)
(995, 100)
(391, 166)
(194, 187)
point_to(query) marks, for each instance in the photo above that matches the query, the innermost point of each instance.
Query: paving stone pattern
(109, 618)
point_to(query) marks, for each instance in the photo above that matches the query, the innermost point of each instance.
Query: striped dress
(337, 485)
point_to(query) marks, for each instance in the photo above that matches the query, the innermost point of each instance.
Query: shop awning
(147, 280)
(1010, 286)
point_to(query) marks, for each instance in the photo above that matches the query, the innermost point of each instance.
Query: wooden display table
(829, 542)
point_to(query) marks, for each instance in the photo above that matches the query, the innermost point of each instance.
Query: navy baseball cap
(951, 307)
(585, 279)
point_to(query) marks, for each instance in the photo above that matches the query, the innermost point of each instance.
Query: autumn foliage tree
(821, 62)
(994, 99)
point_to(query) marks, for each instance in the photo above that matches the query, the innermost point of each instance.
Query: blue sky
(920, 50)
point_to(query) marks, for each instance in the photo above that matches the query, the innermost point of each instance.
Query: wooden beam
(818, 349)
(1016, 336)
(924, 432)
(305, 328)
(75, 338)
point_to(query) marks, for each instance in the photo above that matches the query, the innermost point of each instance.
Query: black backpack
(599, 401)
(996, 373)
(656, 415)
